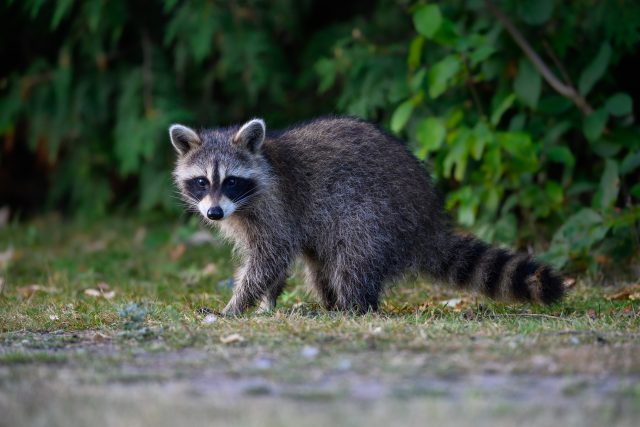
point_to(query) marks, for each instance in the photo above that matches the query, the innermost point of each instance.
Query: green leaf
(595, 70)
(561, 154)
(635, 191)
(481, 54)
(478, 139)
(457, 156)
(326, 70)
(417, 79)
(554, 104)
(619, 104)
(506, 229)
(430, 133)
(401, 115)
(497, 113)
(521, 148)
(468, 201)
(554, 192)
(528, 84)
(535, 12)
(606, 148)
(62, 9)
(630, 163)
(577, 235)
(609, 185)
(427, 20)
(556, 132)
(594, 124)
(415, 52)
(441, 73)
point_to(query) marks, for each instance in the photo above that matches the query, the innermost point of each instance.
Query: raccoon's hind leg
(269, 300)
(357, 286)
(317, 280)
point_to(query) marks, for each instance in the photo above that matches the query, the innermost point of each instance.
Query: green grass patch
(155, 278)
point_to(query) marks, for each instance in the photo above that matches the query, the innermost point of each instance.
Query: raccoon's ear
(251, 135)
(183, 138)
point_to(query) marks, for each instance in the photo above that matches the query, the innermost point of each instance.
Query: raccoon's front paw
(231, 310)
(266, 306)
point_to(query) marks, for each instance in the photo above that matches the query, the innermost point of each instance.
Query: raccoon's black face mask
(214, 169)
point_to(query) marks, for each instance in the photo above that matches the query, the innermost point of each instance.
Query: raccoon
(349, 199)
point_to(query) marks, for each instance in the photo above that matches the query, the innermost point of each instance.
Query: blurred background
(88, 89)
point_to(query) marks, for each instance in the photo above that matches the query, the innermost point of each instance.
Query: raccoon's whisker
(246, 195)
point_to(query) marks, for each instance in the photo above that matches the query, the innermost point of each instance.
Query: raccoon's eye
(231, 182)
(202, 182)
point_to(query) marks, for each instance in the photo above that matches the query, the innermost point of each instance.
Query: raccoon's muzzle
(215, 213)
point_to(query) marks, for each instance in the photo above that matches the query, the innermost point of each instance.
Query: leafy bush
(519, 160)
(95, 84)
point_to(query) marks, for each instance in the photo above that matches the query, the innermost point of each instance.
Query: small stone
(344, 365)
(309, 352)
(262, 363)
(209, 319)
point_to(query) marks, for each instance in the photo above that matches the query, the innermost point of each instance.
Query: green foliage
(518, 161)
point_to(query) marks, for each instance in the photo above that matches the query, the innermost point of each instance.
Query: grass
(98, 306)
(156, 266)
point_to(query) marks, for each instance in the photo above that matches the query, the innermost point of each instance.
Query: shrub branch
(563, 89)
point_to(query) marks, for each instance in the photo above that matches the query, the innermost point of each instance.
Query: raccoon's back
(338, 164)
(349, 183)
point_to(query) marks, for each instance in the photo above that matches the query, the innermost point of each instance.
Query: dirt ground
(62, 379)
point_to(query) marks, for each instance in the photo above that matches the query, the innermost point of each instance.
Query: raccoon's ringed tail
(499, 273)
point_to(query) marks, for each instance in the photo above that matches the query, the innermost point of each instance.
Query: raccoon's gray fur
(348, 198)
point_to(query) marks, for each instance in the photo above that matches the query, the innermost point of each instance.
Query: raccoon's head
(219, 171)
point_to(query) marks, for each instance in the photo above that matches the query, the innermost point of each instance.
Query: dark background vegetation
(88, 89)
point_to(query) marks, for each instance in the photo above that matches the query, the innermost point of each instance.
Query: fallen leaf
(97, 293)
(628, 311)
(630, 292)
(591, 314)
(102, 286)
(177, 252)
(93, 293)
(453, 302)
(569, 282)
(230, 339)
(31, 290)
(100, 337)
(376, 331)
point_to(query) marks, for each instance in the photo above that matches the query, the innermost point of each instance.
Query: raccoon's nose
(215, 213)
